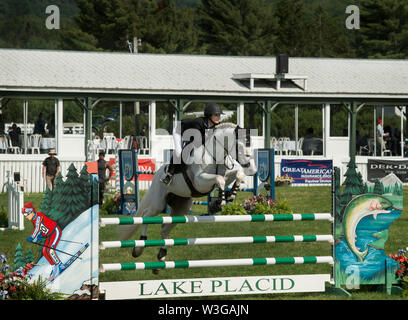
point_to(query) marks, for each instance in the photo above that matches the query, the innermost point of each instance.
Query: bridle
(247, 144)
(227, 153)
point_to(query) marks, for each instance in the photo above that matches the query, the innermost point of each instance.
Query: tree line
(216, 27)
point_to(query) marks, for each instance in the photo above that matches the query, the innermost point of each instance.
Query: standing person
(381, 135)
(308, 142)
(39, 125)
(212, 116)
(406, 148)
(51, 167)
(14, 134)
(46, 228)
(51, 126)
(102, 166)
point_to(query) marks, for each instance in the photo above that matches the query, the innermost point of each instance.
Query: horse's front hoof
(223, 203)
(137, 252)
(161, 256)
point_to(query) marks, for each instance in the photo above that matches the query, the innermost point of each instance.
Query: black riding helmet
(212, 108)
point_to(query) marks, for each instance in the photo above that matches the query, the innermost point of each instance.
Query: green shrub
(404, 284)
(263, 205)
(233, 209)
(258, 205)
(262, 208)
(109, 205)
(15, 285)
(282, 207)
(3, 217)
(35, 291)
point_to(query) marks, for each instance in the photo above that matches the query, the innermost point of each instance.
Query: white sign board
(169, 288)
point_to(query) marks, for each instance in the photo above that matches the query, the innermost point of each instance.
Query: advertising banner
(377, 169)
(308, 171)
(143, 165)
(146, 165)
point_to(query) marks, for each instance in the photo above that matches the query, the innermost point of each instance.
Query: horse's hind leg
(151, 205)
(180, 208)
(137, 251)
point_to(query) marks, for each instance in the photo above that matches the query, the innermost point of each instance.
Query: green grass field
(300, 199)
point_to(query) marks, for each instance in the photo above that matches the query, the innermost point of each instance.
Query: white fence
(15, 204)
(31, 173)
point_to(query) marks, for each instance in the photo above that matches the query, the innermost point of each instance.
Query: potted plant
(284, 180)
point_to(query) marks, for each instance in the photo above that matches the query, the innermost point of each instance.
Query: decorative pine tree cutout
(46, 204)
(56, 213)
(85, 186)
(378, 187)
(95, 192)
(29, 257)
(70, 197)
(71, 200)
(19, 260)
(353, 183)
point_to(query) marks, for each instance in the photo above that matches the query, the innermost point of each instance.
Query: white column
(297, 126)
(240, 114)
(59, 124)
(120, 120)
(25, 116)
(326, 127)
(152, 124)
(403, 111)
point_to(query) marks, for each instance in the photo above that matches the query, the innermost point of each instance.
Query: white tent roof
(203, 75)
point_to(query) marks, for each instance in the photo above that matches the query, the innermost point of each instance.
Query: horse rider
(212, 116)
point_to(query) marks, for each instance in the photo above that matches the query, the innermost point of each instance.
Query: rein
(227, 152)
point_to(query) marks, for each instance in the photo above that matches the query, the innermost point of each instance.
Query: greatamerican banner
(308, 171)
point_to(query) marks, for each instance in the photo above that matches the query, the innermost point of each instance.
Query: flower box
(285, 180)
(282, 183)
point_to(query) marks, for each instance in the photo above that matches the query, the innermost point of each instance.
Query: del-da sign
(377, 169)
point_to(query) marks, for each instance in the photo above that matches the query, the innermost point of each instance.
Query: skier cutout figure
(44, 227)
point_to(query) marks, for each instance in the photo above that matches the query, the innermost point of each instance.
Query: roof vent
(280, 80)
(282, 63)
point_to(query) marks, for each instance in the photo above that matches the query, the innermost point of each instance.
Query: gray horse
(209, 170)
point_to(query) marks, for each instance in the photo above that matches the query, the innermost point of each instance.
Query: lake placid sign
(150, 289)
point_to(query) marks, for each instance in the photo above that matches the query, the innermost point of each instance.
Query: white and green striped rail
(206, 219)
(215, 263)
(200, 203)
(214, 240)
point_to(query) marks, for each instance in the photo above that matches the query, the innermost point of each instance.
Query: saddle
(182, 168)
